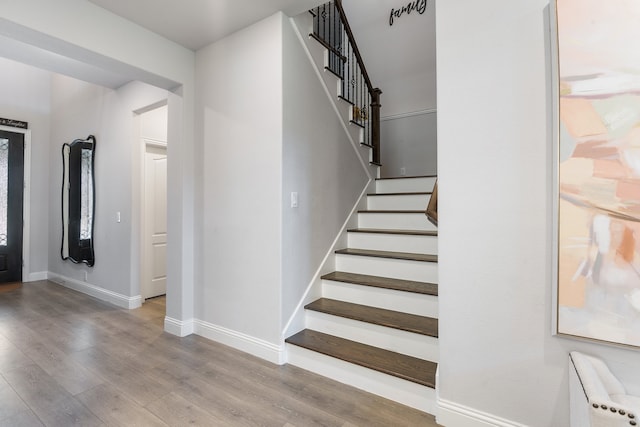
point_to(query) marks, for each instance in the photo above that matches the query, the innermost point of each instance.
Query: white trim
(34, 277)
(26, 199)
(554, 160)
(26, 207)
(410, 114)
(180, 328)
(114, 298)
(243, 342)
(299, 310)
(155, 143)
(453, 414)
(139, 147)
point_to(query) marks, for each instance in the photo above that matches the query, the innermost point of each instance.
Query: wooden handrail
(374, 91)
(329, 47)
(354, 45)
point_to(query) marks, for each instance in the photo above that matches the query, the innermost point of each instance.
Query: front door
(11, 203)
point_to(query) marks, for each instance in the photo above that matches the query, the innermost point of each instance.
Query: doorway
(153, 137)
(12, 149)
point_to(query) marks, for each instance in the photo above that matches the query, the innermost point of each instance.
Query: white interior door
(155, 219)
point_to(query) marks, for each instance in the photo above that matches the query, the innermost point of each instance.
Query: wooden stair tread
(377, 316)
(407, 177)
(387, 254)
(431, 233)
(383, 282)
(391, 211)
(414, 193)
(399, 365)
(345, 99)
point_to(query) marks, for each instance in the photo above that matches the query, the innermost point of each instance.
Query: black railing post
(375, 124)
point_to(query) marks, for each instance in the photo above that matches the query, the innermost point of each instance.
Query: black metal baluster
(345, 81)
(369, 116)
(349, 83)
(352, 95)
(324, 22)
(364, 119)
(332, 35)
(315, 21)
(360, 100)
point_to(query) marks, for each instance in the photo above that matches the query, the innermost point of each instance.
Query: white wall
(401, 60)
(26, 97)
(239, 118)
(79, 109)
(411, 143)
(495, 173)
(320, 164)
(153, 124)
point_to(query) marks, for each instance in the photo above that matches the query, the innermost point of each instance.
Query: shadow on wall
(409, 145)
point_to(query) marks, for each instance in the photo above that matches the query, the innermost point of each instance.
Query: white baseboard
(409, 114)
(453, 414)
(254, 346)
(114, 298)
(180, 328)
(34, 277)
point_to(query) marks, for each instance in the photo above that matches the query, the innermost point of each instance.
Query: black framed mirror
(78, 200)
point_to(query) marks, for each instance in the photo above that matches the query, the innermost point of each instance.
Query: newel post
(375, 124)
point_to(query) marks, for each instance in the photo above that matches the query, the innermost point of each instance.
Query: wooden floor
(67, 359)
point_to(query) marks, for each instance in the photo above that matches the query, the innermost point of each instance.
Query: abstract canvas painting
(598, 224)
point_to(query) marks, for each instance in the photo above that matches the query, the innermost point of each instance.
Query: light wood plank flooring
(67, 359)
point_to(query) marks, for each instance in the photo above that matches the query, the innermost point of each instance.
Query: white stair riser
(390, 387)
(304, 22)
(389, 299)
(319, 54)
(395, 221)
(415, 345)
(405, 185)
(386, 267)
(394, 242)
(365, 151)
(405, 202)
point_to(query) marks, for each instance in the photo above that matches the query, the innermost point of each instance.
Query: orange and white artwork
(599, 170)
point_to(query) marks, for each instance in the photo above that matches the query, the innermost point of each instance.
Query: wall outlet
(403, 171)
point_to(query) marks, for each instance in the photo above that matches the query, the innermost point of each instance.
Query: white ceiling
(198, 23)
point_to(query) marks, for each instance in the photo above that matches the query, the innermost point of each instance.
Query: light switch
(118, 217)
(294, 199)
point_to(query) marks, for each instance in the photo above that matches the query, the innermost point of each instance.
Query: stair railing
(332, 30)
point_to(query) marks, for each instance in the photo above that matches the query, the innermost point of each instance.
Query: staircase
(376, 325)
